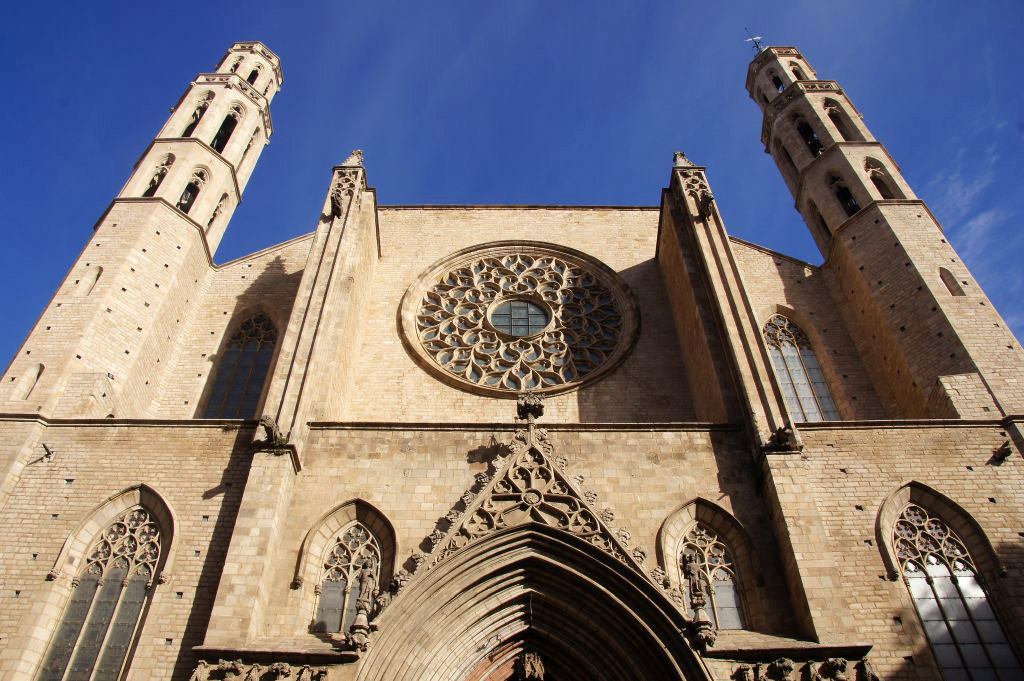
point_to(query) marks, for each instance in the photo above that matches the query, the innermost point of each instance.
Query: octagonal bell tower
(924, 326)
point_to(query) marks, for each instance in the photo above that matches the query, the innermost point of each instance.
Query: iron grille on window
(102, 616)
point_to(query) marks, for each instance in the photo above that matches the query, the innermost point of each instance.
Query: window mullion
(110, 628)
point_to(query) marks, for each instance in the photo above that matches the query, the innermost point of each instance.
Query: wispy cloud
(976, 235)
(957, 190)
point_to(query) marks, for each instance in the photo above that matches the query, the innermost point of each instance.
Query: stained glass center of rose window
(519, 318)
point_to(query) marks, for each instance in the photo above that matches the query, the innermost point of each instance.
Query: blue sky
(507, 102)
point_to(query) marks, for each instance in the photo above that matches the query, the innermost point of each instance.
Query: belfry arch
(530, 589)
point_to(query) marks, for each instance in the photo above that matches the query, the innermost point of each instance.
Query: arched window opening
(89, 280)
(192, 189)
(220, 140)
(158, 175)
(879, 178)
(235, 64)
(707, 567)
(818, 220)
(809, 137)
(350, 575)
(242, 371)
(254, 74)
(844, 196)
(787, 161)
(197, 115)
(777, 82)
(28, 382)
(800, 377)
(838, 117)
(764, 98)
(104, 611)
(797, 73)
(952, 285)
(966, 638)
(217, 211)
(252, 141)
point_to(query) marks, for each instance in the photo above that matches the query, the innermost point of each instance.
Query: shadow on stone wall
(651, 383)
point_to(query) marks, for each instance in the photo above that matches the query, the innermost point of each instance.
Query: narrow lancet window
(952, 285)
(777, 82)
(252, 141)
(800, 377)
(350, 575)
(797, 73)
(217, 211)
(197, 115)
(235, 64)
(844, 196)
(818, 220)
(967, 639)
(809, 137)
(192, 189)
(710, 577)
(788, 166)
(254, 75)
(879, 178)
(220, 140)
(162, 168)
(103, 615)
(838, 118)
(28, 382)
(242, 370)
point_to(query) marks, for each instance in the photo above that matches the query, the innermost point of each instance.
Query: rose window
(507, 317)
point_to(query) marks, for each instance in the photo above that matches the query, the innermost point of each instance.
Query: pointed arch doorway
(526, 596)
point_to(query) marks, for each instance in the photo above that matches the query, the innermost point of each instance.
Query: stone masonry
(513, 533)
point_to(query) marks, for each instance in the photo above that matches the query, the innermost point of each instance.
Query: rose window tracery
(514, 318)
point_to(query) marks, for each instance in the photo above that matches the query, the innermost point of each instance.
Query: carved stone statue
(780, 669)
(865, 671)
(272, 433)
(201, 672)
(530, 404)
(254, 673)
(367, 587)
(679, 160)
(833, 668)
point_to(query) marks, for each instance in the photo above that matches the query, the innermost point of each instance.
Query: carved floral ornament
(578, 319)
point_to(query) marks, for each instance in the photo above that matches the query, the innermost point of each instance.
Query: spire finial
(680, 161)
(354, 160)
(755, 40)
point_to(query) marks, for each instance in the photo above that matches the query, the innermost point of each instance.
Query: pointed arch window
(818, 220)
(796, 366)
(349, 577)
(192, 189)
(217, 211)
(220, 140)
(844, 196)
(880, 178)
(710, 577)
(235, 64)
(105, 610)
(838, 117)
(776, 81)
(242, 371)
(159, 174)
(23, 389)
(968, 641)
(197, 114)
(809, 137)
(797, 73)
(254, 74)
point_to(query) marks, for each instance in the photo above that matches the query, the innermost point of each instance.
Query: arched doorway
(530, 590)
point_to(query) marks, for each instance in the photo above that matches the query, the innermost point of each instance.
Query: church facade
(514, 442)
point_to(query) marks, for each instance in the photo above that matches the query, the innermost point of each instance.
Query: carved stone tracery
(591, 319)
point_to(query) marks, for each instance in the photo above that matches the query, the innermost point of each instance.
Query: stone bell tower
(925, 327)
(100, 347)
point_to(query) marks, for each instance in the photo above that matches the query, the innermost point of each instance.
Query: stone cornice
(511, 427)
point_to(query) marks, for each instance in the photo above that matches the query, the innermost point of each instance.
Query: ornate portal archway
(530, 589)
